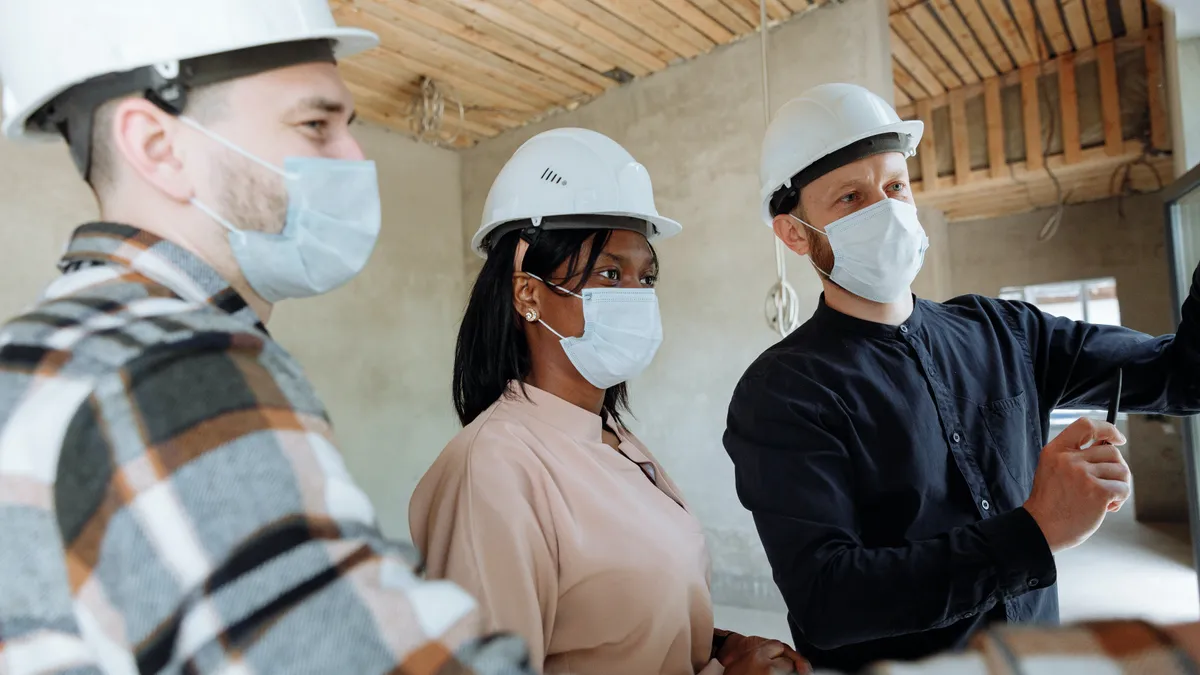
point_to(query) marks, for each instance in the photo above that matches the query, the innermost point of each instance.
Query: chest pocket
(1009, 435)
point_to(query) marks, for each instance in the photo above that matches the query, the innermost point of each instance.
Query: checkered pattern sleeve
(210, 525)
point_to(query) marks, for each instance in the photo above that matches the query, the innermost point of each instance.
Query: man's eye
(317, 125)
(847, 198)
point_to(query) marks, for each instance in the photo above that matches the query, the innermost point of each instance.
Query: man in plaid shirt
(171, 495)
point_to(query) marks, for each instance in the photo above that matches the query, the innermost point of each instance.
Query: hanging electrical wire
(782, 298)
(428, 110)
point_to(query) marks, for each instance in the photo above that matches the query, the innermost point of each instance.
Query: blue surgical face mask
(622, 331)
(332, 224)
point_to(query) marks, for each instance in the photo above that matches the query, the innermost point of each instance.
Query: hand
(1081, 475)
(758, 653)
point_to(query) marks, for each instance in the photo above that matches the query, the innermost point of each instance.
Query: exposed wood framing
(1131, 15)
(1068, 97)
(960, 137)
(931, 28)
(982, 27)
(1010, 34)
(1077, 23)
(1110, 101)
(1160, 135)
(927, 151)
(913, 64)
(1031, 116)
(1052, 24)
(994, 115)
(1098, 13)
(923, 50)
(950, 16)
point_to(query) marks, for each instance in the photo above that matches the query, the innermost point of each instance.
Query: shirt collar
(558, 413)
(159, 260)
(828, 317)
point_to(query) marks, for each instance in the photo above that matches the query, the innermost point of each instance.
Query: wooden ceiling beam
(1160, 133)
(982, 28)
(422, 41)
(624, 54)
(1077, 24)
(667, 28)
(994, 118)
(1010, 33)
(367, 97)
(465, 88)
(899, 96)
(909, 60)
(1131, 16)
(903, 26)
(619, 26)
(776, 10)
(1068, 99)
(1098, 13)
(398, 86)
(725, 16)
(689, 12)
(1121, 44)
(1052, 24)
(1027, 21)
(964, 38)
(931, 28)
(902, 79)
(513, 46)
(497, 13)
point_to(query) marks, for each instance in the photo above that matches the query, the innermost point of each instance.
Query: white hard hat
(566, 172)
(821, 121)
(49, 46)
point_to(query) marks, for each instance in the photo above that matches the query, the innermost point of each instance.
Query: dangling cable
(782, 297)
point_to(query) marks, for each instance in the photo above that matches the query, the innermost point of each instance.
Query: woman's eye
(650, 281)
(611, 275)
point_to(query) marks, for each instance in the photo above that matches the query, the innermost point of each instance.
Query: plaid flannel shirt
(1123, 647)
(171, 498)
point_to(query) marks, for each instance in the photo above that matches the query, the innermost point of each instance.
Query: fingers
(1112, 471)
(1085, 431)
(1103, 453)
(1118, 490)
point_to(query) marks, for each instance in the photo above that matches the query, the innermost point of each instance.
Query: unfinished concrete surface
(697, 127)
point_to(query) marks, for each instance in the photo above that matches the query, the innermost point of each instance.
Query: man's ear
(791, 232)
(148, 139)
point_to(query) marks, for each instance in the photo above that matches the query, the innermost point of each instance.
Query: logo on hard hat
(552, 177)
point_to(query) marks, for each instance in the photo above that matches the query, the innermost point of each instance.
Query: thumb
(1085, 432)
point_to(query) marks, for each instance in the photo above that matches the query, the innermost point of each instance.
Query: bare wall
(378, 350)
(1093, 241)
(697, 127)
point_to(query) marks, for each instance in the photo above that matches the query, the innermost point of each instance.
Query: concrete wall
(378, 350)
(697, 127)
(1093, 241)
(1182, 47)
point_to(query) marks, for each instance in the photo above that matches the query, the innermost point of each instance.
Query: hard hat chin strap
(166, 85)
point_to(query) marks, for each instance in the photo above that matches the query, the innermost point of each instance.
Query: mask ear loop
(810, 260)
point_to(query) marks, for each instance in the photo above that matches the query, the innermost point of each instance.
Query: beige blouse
(588, 553)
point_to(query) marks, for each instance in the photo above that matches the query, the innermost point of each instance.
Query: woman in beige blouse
(545, 508)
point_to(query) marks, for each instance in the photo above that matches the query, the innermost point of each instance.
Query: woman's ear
(525, 297)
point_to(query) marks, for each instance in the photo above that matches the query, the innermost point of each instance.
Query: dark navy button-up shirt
(886, 466)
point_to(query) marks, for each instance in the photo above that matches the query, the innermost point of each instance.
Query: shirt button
(985, 505)
(903, 329)
(956, 437)
(1033, 583)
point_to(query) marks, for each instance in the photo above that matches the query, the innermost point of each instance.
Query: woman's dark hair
(492, 350)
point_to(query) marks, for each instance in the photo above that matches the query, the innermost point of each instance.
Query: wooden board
(927, 150)
(619, 26)
(900, 97)
(1010, 34)
(1068, 98)
(621, 52)
(1052, 25)
(1098, 13)
(931, 28)
(650, 17)
(903, 26)
(903, 80)
(994, 114)
(1131, 15)
(1110, 102)
(686, 10)
(1160, 133)
(964, 37)
(1154, 13)
(725, 16)
(1031, 114)
(909, 60)
(982, 27)
(1027, 21)
(961, 137)
(1077, 23)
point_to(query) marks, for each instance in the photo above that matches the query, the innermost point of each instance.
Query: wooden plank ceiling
(509, 62)
(500, 64)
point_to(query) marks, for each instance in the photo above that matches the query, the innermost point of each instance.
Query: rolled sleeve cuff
(1022, 556)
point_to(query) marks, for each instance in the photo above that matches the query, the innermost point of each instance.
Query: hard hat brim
(664, 228)
(346, 42)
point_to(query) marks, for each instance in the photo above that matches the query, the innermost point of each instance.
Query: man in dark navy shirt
(891, 449)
